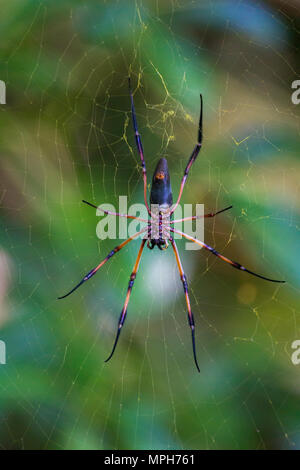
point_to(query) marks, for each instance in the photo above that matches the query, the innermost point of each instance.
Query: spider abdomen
(161, 192)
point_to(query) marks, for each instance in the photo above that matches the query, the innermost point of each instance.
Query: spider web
(66, 135)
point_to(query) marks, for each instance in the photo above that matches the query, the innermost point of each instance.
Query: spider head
(161, 192)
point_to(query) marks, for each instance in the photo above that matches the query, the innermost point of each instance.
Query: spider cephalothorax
(160, 226)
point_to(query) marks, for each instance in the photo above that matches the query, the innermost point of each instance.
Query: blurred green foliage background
(66, 135)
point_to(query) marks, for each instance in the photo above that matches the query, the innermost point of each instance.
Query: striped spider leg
(110, 254)
(139, 146)
(234, 264)
(193, 156)
(187, 298)
(129, 289)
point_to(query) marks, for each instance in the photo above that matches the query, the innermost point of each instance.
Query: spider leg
(192, 157)
(222, 257)
(110, 254)
(194, 217)
(185, 288)
(150, 244)
(164, 247)
(139, 146)
(124, 310)
(117, 214)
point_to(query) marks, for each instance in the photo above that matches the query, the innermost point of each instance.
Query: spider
(160, 226)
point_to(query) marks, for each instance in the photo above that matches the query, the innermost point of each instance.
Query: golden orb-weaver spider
(159, 226)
